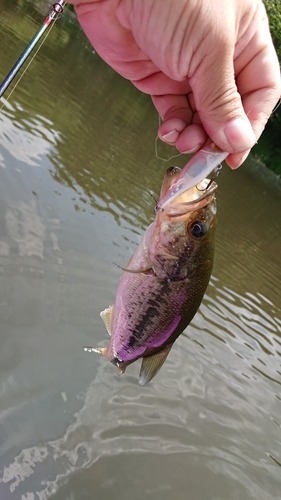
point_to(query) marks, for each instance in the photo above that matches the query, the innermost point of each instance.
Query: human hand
(210, 66)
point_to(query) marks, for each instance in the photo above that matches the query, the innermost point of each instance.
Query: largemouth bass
(164, 282)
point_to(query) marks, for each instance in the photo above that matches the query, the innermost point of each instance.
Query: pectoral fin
(135, 271)
(106, 316)
(152, 364)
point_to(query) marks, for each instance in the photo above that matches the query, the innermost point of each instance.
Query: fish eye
(197, 229)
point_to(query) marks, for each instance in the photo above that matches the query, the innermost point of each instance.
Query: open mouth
(189, 200)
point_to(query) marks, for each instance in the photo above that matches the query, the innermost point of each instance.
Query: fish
(163, 284)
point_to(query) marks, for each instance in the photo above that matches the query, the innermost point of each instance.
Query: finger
(175, 113)
(235, 116)
(191, 139)
(181, 126)
(258, 107)
(259, 82)
(220, 107)
(236, 160)
(156, 83)
(173, 106)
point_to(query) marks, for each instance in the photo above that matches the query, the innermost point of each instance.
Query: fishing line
(156, 148)
(27, 66)
(55, 11)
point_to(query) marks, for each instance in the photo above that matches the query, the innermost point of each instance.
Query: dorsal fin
(151, 365)
(106, 316)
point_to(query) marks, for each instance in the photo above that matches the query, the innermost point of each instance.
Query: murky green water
(77, 170)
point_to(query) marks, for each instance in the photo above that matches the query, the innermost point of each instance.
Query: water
(77, 170)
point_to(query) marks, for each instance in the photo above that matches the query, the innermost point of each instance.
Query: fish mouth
(187, 201)
(205, 161)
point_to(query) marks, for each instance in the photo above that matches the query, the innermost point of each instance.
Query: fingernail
(170, 137)
(240, 134)
(240, 160)
(192, 150)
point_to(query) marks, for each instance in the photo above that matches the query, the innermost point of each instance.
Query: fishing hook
(215, 174)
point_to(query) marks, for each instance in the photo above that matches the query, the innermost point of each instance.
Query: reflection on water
(76, 176)
(215, 413)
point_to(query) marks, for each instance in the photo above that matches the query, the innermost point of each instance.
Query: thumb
(219, 105)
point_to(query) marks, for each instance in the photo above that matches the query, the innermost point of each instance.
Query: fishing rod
(55, 11)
